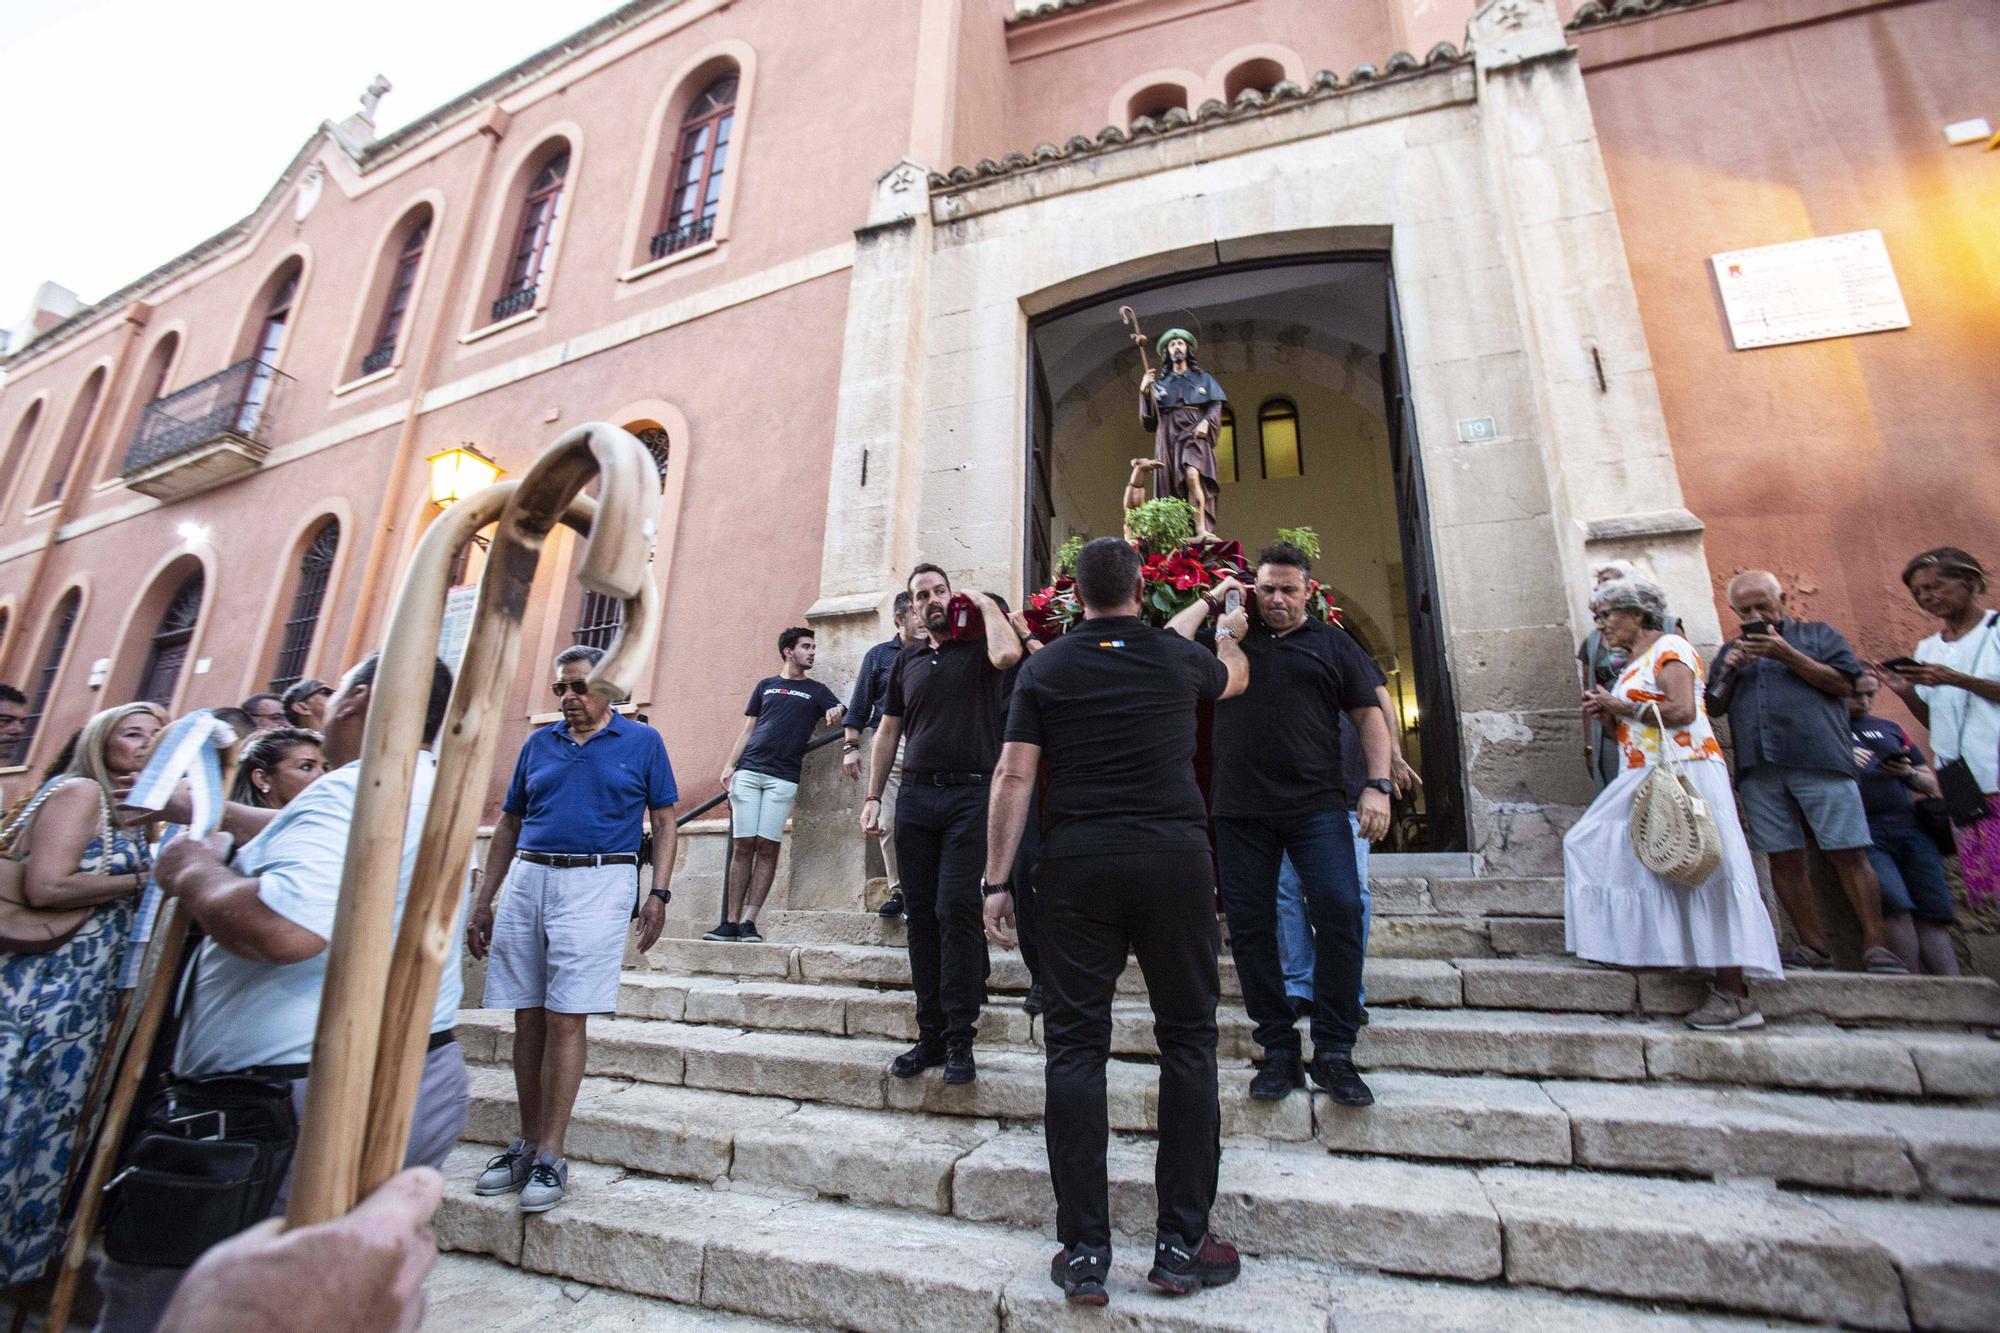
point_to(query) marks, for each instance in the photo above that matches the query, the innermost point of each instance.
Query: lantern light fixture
(458, 472)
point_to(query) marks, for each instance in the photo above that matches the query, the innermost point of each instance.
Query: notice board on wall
(1800, 291)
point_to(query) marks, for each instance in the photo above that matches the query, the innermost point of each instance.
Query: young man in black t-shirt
(762, 777)
(945, 695)
(1124, 867)
(1277, 790)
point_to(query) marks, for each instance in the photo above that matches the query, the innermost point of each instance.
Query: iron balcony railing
(378, 358)
(676, 239)
(241, 400)
(513, 303)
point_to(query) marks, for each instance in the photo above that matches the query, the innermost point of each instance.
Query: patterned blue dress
(55, 1016)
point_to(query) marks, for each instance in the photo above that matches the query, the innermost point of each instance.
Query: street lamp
(459, 472)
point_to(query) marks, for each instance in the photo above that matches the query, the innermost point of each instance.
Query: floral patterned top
(1639, 683)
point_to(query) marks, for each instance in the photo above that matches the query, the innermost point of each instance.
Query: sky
(135, 129)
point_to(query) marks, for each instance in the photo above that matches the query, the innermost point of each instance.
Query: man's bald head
(1762, 579)
(1756, 594)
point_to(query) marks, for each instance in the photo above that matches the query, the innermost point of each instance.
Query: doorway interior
(1317, 433)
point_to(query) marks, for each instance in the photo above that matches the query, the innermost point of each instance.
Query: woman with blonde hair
(56, 1008)
(275, 765)
(1617, 911)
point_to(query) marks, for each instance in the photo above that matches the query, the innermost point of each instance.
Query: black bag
(207, 1164)
(1934, 819)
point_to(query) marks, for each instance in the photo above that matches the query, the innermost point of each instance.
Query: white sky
(134, 129)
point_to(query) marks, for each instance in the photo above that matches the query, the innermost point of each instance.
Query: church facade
(859, 293)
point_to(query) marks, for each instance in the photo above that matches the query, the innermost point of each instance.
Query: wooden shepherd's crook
(1127, 316)
(379, 992)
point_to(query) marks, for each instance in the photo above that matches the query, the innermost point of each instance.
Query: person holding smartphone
(1784, 684)
(1952, 686)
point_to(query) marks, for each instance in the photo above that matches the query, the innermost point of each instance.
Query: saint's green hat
(1160, 347)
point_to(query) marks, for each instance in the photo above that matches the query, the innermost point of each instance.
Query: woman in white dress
(1614, 909)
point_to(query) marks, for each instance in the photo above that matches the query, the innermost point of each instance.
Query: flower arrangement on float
(1177, 568)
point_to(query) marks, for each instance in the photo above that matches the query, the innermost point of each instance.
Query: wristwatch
(664, 895)
(1224, 632)
(988, 890)
(1383, 785)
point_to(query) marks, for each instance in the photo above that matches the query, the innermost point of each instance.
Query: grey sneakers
(507, 1172)
(1723, 1012)
(546, 1179)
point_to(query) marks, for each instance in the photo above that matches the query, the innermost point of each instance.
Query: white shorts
(759, 805)
(559, 938)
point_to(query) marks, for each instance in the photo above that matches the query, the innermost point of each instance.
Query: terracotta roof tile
(1602, 13)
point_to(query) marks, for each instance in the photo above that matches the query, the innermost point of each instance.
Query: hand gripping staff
(200, 750)
(375, 1010)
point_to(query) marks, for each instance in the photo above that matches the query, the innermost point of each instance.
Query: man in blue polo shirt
(566, 847)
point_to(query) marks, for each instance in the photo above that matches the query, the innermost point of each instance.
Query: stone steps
(1553, 984)
(774, 1255)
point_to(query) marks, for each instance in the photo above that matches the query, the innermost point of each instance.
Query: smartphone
(1901, 663)
(1232, 601)
(1751, 627)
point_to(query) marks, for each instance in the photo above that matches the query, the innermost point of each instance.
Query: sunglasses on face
(562, 687)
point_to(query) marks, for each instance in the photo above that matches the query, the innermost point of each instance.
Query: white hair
(1633, 594)
(1619, 569)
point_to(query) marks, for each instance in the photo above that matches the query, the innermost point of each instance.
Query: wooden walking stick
(379, 991)
(1130, 318)
(169, 941)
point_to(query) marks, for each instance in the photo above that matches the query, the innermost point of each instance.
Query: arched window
(18, 445)
(694, 191)
(657, 444)
(54, 645)
(528, 263)
(5, 620)
(402, 290)
(167, 653)
(264, 355)
(1263, 75)
(1156, 101)
(315, 568)
(152, 387)
(1225, 448)
(1278, 439)
(74, 429)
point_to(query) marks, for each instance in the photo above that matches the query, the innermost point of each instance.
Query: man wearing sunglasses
(567, 848)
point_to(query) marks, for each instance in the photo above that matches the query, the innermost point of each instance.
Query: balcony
(513, 303)
(676, 239)
(207, 434)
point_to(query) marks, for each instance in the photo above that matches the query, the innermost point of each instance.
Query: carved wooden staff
(1127, 316)
(379, 991)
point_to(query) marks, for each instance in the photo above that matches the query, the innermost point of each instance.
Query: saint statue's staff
(379, 992)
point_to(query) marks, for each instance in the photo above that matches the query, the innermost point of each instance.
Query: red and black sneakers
(1181, 1269)
(1081, 1275)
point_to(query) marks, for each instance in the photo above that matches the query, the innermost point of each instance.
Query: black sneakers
(893, 907)
(728, 930)
(747, 932)
(1031, 1003)
(1336, 1076)
(926, 1054)
(1180, 1268)
(1277, 1075)
(1081, 1275)
(958, 1066)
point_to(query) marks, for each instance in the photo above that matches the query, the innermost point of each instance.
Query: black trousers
(941, 852)
(1022, 881)
(1092, 911)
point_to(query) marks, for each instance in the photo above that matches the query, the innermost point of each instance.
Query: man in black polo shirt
(1277, 790)
(1124, 867)
(946, 695)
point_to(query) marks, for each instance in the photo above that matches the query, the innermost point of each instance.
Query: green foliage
(1162, 525)
(1304, 538)
(1066, 556)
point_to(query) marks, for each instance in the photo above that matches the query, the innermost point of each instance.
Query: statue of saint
(1182, 405)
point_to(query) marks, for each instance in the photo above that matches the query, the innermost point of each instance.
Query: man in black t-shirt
(1124, 867)
(762, 777)
(1277, 791)
(945, 695)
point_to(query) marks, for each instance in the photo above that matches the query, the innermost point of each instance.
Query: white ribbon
(188, 751)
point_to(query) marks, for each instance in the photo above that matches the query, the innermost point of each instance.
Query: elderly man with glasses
(567, 848)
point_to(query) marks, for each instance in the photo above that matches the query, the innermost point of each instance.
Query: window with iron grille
(44, 683)
(315, 567)
(601, 616)
(270, 337)
(169, 649)
(694, 191)
(526, 268)
(657, 444)
(402, 285)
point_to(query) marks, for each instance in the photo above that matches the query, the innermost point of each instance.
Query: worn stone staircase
(1549, 1147)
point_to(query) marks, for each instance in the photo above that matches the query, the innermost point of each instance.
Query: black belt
(438, 1040)
(567, 861)
(947, 779)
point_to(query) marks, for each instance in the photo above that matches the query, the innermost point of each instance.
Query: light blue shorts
(559, 937)
(759, 805)
(1781, 804)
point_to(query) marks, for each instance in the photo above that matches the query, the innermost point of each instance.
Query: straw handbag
(25, 928)
(1673, 832)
